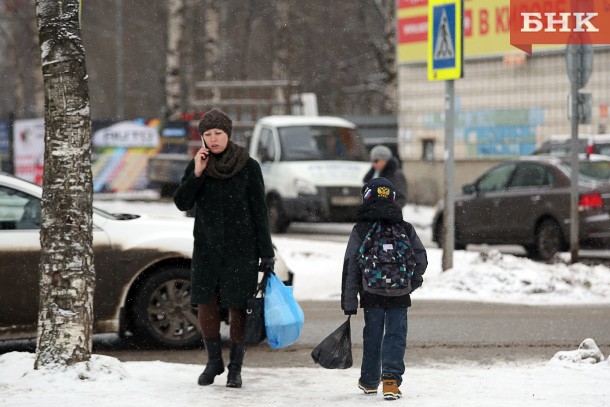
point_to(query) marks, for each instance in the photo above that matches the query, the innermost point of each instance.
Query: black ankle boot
(215, 364)
(236, 361)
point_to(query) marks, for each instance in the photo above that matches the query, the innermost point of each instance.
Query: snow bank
(493, 276)
(587, 352)
(112, 383)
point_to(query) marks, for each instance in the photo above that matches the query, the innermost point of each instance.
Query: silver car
(142, 266)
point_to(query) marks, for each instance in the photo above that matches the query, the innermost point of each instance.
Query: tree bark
(211, 27)
(35, 71)
(173, 78)
(384, 48)
(18, 70)
(67, 275)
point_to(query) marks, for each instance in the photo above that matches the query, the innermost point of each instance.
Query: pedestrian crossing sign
(445, 39)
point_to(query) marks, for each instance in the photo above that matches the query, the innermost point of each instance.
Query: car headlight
(305, 187)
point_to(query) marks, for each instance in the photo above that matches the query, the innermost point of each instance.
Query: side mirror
(469, 189)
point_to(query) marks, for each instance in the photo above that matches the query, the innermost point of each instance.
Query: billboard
(486, 29)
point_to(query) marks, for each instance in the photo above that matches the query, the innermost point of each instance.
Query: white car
(142, 266)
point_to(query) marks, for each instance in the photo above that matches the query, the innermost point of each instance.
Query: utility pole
(445, 62)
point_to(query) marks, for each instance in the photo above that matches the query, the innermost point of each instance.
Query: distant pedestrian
(231, 235)
(386, 166)
(383, 286)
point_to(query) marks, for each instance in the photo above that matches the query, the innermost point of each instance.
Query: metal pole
(120, 83)
(574, 244)
(449, 214)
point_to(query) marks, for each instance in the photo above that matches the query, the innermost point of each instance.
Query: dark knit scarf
(228, 163)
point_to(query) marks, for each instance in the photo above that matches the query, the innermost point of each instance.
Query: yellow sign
(486, 29)
(444, 39)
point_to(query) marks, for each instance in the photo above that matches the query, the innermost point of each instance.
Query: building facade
(506, 104)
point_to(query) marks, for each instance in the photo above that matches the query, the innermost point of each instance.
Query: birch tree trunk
(389, 54)
(384, 49)
(173, 80)
(282, 40)
(282, 52)
(67, 274)
(13, 42)
(211, 27)
(36, 72)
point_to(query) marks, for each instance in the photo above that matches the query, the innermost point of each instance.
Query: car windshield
(592, 170)
(307, 143)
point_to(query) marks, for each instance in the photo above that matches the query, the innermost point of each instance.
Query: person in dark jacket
(231, 236)
(383, 164)
(385, 317)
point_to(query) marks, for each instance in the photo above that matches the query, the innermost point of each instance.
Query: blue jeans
(385, 343)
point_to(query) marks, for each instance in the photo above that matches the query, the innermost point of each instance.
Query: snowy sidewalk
(116, 384)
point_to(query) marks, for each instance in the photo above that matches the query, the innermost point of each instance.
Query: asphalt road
(439, 332)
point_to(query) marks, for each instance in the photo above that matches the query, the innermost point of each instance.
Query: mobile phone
(205, 156)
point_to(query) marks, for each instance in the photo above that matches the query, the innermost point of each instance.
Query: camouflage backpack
(386, 260)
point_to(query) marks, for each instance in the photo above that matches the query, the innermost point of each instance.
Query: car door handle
(536, 198)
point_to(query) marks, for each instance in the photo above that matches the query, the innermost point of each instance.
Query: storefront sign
(127, 134)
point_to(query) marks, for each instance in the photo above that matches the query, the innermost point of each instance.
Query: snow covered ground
(567, 380)
(105, 381)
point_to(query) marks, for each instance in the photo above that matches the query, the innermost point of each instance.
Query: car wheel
(162, 312)
(278, 223)
(548, 240)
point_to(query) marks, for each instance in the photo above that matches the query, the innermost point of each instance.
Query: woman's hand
(201, 160)
(267, 265)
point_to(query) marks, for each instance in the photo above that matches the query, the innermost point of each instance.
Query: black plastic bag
(335, 351)
(255, 331)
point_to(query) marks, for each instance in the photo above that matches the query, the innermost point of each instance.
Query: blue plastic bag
(283, 316)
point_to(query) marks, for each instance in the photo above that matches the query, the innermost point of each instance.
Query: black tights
(209, 321)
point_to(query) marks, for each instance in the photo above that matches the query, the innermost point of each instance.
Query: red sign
(412, 3)
(559, 22)
(413, 29)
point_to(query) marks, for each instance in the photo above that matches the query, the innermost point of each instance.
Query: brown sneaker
(367, 390)
(390, 389)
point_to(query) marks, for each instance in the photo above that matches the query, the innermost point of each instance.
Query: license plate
(345, 200)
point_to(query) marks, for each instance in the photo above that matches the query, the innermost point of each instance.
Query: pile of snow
(493, 276)
(488, 276)
(109, 382)
(587, 352)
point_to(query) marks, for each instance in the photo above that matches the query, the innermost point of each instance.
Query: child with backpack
(384, 262)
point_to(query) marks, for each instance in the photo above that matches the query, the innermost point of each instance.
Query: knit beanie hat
(215, 119)
(381, 152)
(378, 188)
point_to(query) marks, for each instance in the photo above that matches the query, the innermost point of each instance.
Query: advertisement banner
(28, 149)
(127, 134)
(486, 27)
(122, 151)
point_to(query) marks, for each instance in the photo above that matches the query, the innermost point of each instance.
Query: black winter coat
(392, 172)
(351, 284)
(231, 233)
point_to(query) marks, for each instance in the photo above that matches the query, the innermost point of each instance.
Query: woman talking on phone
(231, 238)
